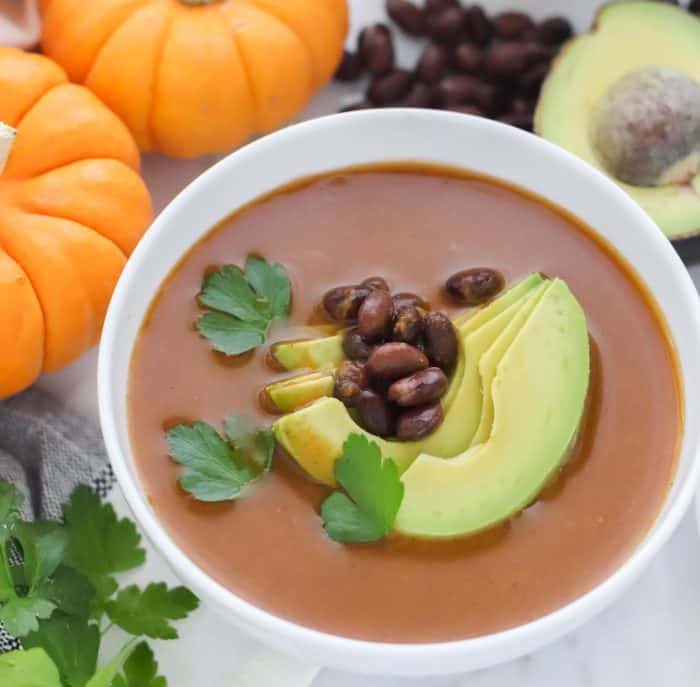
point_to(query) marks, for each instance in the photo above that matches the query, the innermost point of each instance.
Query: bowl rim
(408, 658)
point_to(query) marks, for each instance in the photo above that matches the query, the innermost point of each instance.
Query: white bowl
(393, 136)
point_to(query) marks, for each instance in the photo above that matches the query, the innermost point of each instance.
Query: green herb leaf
(107, 675)
(375, 492)
(147, 612)
(271, 282)
(218, 468)
(31, 668)
(100, 544)
(70, 591)
(140, 670)
(21, 615)
(10, 503)
(210, 472)
(244, 305)
(228, 291)
(72, 643)
(229, 335)
(43, 548)
(253, 446)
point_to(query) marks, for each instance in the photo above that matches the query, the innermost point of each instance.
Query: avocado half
(626, 98)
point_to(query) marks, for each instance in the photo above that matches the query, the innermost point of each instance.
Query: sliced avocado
(488, 364)
(539, 395)
(314, 435)
(326, 352)
(290, 394)
(626, 98)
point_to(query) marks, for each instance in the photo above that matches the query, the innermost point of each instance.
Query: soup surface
(415, 226)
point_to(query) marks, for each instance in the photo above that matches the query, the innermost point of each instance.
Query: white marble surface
(650, 638)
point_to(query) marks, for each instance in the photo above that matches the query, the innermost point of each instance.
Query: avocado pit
(646, 129)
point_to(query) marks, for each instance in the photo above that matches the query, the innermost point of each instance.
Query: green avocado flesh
(626, 98)
(314, 435)
(290, 394)
(538, 392)
(314, 354)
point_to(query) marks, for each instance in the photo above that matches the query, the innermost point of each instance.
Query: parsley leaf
(244, 304)
(229, 335)
(218, 468)
(10, 503)
(21, 614)
(99, 544)
(375, 494)
(140, 670)
(271, 283)
(43, 548)
(147, 611)
(31, 668)
(72, 643)
(107, 675)
(70, 591)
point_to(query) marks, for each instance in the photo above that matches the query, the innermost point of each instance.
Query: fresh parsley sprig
(244, 304)
(63, 597)
(374, 493)
(216, 467)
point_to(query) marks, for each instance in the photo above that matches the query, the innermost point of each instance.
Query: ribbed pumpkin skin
(72, 208)
(191, 80)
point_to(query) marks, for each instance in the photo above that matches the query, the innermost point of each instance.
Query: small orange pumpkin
(191, 77)
(72, 207)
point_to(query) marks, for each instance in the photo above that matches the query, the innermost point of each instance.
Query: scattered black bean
(441, 341)
(506, 59)
(408, 324)
(375, 315)
(478, 26)
(420, 95)
(420, 388)
(393, 360)
(376, 46)
(376, 414)
(418, 423)
(445, 26)
(390, 87)
(343, 302)
(354, 346)
(433, 63)
(512, 25)
(409, 17)
(474, 286)
(351, 67)
(350, 380)
(469, 58)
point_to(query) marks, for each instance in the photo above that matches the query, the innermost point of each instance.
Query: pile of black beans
(400, 352)
(472, 63)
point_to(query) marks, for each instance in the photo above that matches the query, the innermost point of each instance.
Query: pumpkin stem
(200, 3)
(7, 138)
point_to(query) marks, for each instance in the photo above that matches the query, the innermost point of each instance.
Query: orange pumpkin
(191, 77)
(72, 207)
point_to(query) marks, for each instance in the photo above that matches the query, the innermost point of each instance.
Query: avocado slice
(325, 352)
(539, 394)
(488, 365)
(626, 98)
(314, 435)
(289, 394)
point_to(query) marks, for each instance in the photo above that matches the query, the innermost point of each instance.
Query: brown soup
(415, 226)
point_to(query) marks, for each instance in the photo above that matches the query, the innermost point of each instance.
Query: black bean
(375, 283)
(474, 286)
(343, 302)
(393, 360)
(405, 298)
(433, 63)
(420, 95)
(512, 25)
(420, 388)
(555, 30)
(447, 25)
(408, 325)
(375, 315)
(419, 422)
(354, 346)
(390, 87)
(350, 68)
(376, 47)
(409, 17)
(441, 341)
(350, 380)
(477, 24)
(376, 414)
(468, 57)
(506, 59)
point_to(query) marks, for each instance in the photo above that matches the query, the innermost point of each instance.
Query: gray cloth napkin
(46, 451)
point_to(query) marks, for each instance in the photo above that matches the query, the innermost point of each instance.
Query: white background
(650, 638)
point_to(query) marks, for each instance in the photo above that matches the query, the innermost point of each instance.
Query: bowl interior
(395, 136)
